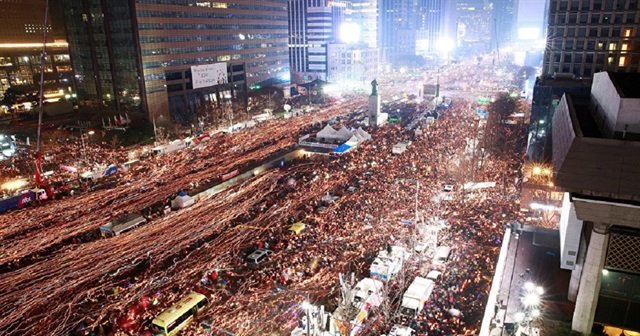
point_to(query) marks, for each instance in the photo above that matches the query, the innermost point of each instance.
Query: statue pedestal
(374, 111)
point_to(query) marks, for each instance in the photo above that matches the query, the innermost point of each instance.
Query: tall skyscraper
(436, 25)
(504, 13)
(398, 24)
(313, 24)
(365, 14)
(143, 54)
(474, 24)
(584, 37)
(316, 25)
(21, 46)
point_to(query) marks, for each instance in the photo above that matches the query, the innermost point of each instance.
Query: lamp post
(84, 148)
(307, 308)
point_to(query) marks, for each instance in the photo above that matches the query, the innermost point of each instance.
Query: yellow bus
(172, 320)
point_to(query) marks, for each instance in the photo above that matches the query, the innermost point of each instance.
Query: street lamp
(307, 308)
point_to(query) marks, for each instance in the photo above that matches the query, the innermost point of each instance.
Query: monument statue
(374, 88)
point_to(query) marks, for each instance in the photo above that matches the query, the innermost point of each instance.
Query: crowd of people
(207, 246)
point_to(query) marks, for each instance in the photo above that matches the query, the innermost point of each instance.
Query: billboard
(209, 75)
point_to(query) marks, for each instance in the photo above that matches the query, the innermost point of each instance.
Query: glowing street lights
(531, 300)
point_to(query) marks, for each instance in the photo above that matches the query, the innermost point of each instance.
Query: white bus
(178, 316)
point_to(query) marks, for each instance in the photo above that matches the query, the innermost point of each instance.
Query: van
(441, 255)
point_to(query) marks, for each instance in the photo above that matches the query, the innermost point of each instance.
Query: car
(434, 275)
(447, 188)
(258, 256)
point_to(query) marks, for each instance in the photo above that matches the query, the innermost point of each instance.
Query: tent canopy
(297, 227)
(342, 148)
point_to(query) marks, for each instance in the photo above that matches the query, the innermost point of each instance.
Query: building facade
(504, 14)
(398, 27)
(313, 24)
(584, 37)
(435, 26)
(138, 55)
(104, 54)
(21, 40)
(474, 25)
(595, 155)
(352, 62)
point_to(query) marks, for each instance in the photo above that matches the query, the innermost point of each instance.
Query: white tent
(327, 132)
(343, 134)
(353, 141)
(363, 134)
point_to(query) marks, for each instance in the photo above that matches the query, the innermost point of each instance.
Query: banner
(209, 75)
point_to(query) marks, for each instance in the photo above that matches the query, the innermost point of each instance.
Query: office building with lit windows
(313, 24)
(141, 55)
(21, 39)
(588, 36)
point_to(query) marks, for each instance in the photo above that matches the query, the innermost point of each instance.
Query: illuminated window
(610, 60)
(600, 45)
(624, 47)
(613, 46)
(627, 32)
(622, 60)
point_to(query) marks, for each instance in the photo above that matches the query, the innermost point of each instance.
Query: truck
(416, 296)
(22, 199)
(350, 317)
(388, 263)
(99, 172)
(171, 147)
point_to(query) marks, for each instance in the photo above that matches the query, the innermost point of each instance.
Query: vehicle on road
(122, 225)
(178, 316)
(416, 296)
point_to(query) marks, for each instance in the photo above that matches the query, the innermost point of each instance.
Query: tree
(497, 130)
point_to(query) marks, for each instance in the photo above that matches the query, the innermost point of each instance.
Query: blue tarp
(342, 148)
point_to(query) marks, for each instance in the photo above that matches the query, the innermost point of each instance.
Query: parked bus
(174, 319)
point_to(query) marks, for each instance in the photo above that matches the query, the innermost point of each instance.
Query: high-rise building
(436, 26)
(595, 156)
(504, 15)
(21, 38)
(169, 58)
(474, 24)
(398, 24)
(584, 37)
(365, 14)
(316, 25)
(313, 24)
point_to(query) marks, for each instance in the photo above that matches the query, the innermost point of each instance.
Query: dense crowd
(207, 244)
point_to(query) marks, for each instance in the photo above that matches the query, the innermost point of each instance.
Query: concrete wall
(603, 212)
(607, 100)
(629, 115)
(570, 231)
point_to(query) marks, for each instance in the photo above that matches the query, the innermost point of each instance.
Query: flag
(126, 115)
(122, 120)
